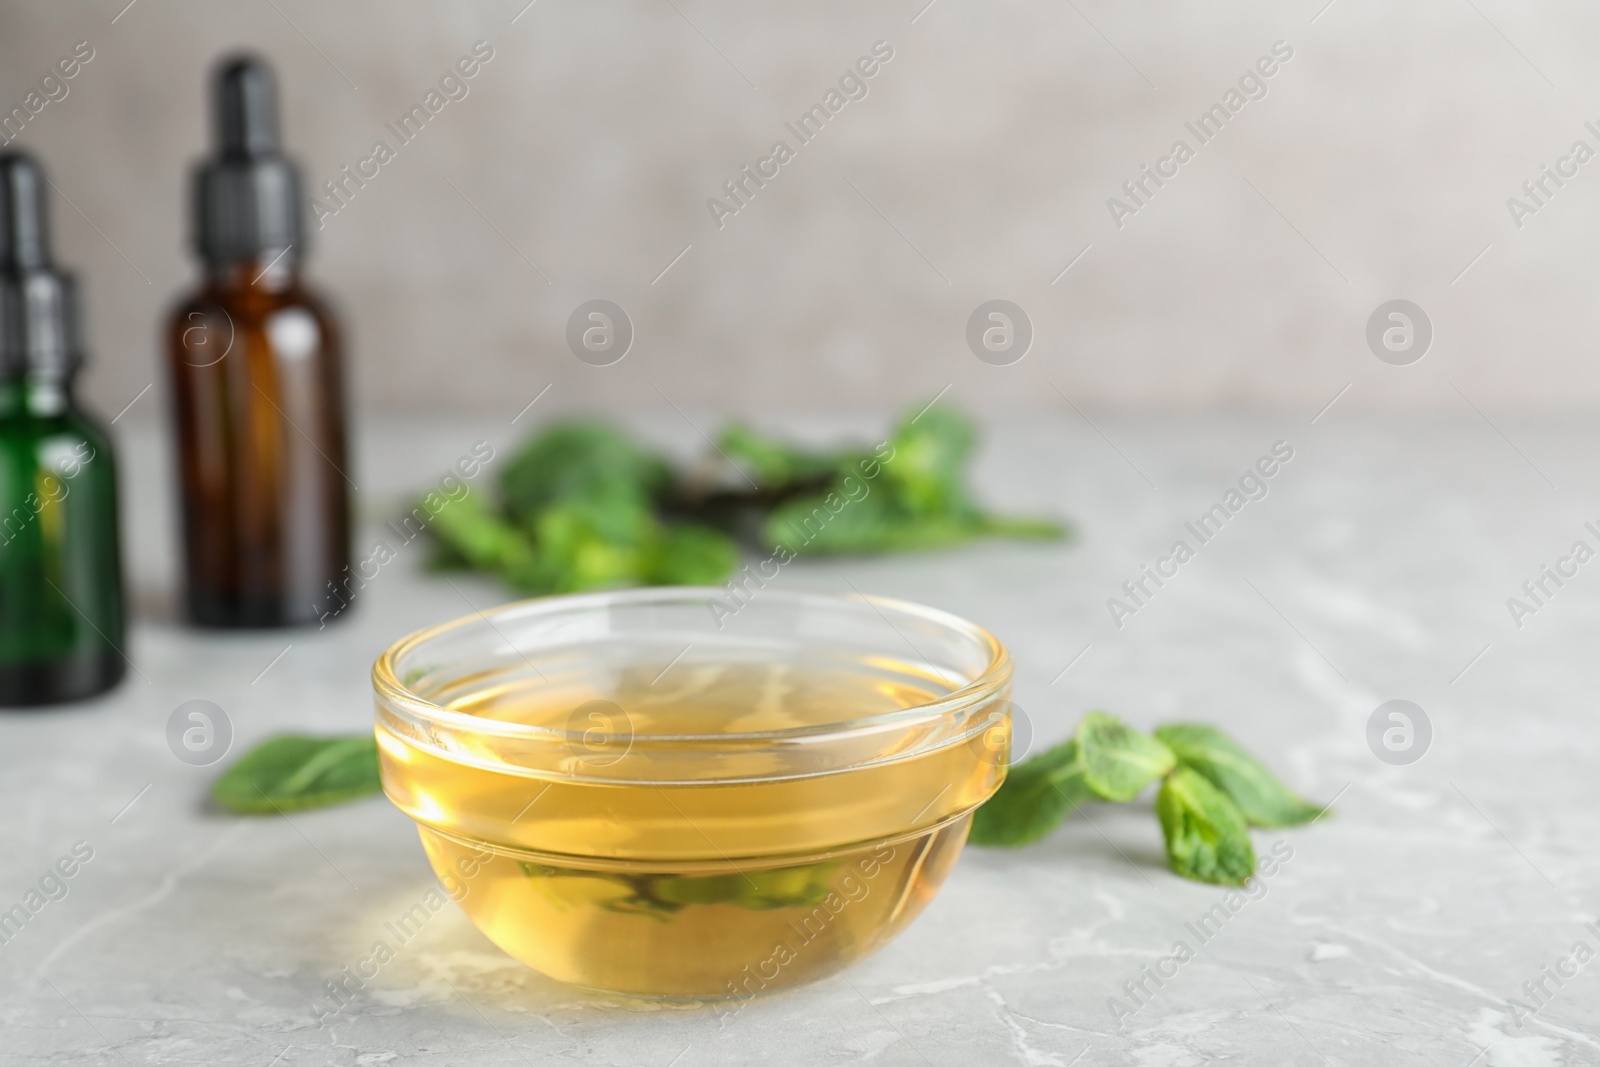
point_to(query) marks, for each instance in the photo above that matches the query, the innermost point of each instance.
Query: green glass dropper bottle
(61, 612)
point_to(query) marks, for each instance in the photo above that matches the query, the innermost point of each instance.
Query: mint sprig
(292, 772)
(1211, 792)
(1263, 799)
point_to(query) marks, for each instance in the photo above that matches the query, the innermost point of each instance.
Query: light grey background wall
(979, 164)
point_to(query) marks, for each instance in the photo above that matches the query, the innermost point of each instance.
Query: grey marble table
(1421, 923)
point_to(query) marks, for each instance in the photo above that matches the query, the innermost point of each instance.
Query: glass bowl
(693, 792)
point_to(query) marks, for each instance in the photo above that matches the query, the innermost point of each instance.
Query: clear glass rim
(994, 677)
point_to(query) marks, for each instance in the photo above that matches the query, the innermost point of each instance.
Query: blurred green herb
(907, 494)
(292, 772)
(1211, 792)
(582, 506)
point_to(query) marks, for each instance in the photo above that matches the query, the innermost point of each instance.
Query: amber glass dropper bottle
(61, 610)
(256, 385)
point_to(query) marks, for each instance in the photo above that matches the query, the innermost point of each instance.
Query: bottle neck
(40, 397)
(273, 270)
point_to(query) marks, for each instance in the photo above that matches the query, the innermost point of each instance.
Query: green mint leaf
(1207, 839)
(689, 554)
(580, 459)
(660, 896)
(597, 541)
(833, 523)
(468, 530)
(1119, 761)
(293, 772)
(1036, 795)
(787, 887)
(930, 454)
(774, 464)
(1264, 800)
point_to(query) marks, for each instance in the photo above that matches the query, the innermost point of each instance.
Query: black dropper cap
(247, 196)
(38, 302)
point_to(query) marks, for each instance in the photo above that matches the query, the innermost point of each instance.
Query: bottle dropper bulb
(24, 241)
(247, 113)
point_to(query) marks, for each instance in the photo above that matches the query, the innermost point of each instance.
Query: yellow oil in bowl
(716, 819)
